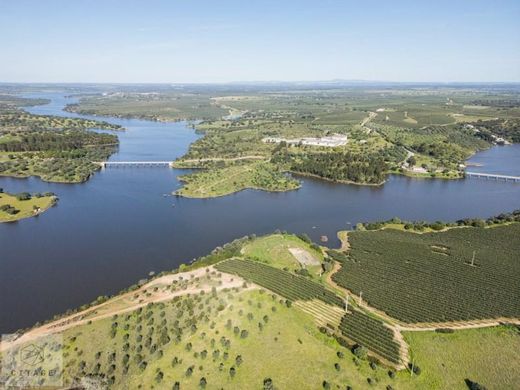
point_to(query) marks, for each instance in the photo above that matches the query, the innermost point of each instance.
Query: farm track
(404, 349)
(371, 115)
(130, 304)
(457, 325)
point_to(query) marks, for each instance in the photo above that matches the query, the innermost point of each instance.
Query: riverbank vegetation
(245, 315)
(425, 227)
(54, 148)
(14, 207)
(414, 131)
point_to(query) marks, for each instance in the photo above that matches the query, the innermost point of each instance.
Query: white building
(328, 142)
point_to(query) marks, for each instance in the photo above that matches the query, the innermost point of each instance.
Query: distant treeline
(56, 140)
(12, 119)
(503, 103)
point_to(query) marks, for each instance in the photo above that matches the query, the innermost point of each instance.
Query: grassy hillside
(259, 323)
(234, 337)
(285, 251)
(488, 356)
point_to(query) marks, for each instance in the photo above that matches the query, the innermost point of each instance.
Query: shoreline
(337, 181)
(39, 177)
(176, 194)
(52, 200)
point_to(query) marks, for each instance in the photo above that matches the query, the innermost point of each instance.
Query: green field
(488, 356)
(234, 339)
(371, 333)
(429, 277)
(13, 209)
(284, 283)
(275, 250)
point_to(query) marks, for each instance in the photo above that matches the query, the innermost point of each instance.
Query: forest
(54, 148)
(342, 167)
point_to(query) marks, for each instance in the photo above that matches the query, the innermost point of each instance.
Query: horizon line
(260, 82)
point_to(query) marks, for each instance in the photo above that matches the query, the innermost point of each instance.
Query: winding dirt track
(128, 302)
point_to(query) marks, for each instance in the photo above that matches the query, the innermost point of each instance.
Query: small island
(14, 207)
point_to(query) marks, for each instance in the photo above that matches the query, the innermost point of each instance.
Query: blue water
(503, 160)
(106, 234)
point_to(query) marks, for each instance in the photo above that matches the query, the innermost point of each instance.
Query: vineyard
(460, 274)
(281, 282)
(372, 334)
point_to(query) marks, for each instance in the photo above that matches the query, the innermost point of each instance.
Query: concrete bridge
(136, 164)
(493, 176)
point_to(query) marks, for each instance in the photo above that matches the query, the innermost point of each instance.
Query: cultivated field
(459, 274)
(371, 333)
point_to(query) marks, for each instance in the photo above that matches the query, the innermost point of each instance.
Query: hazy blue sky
(204, 41)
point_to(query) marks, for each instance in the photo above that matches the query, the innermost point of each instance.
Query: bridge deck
(135, 163)
(492, 176)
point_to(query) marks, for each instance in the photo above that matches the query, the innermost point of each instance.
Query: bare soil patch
(303, 257)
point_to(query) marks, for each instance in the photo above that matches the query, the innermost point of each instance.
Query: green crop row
(281, 282)
(460, 274)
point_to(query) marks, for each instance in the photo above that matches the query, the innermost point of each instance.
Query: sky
(195, 41)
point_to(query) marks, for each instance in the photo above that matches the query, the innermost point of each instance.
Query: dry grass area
(160, 289)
